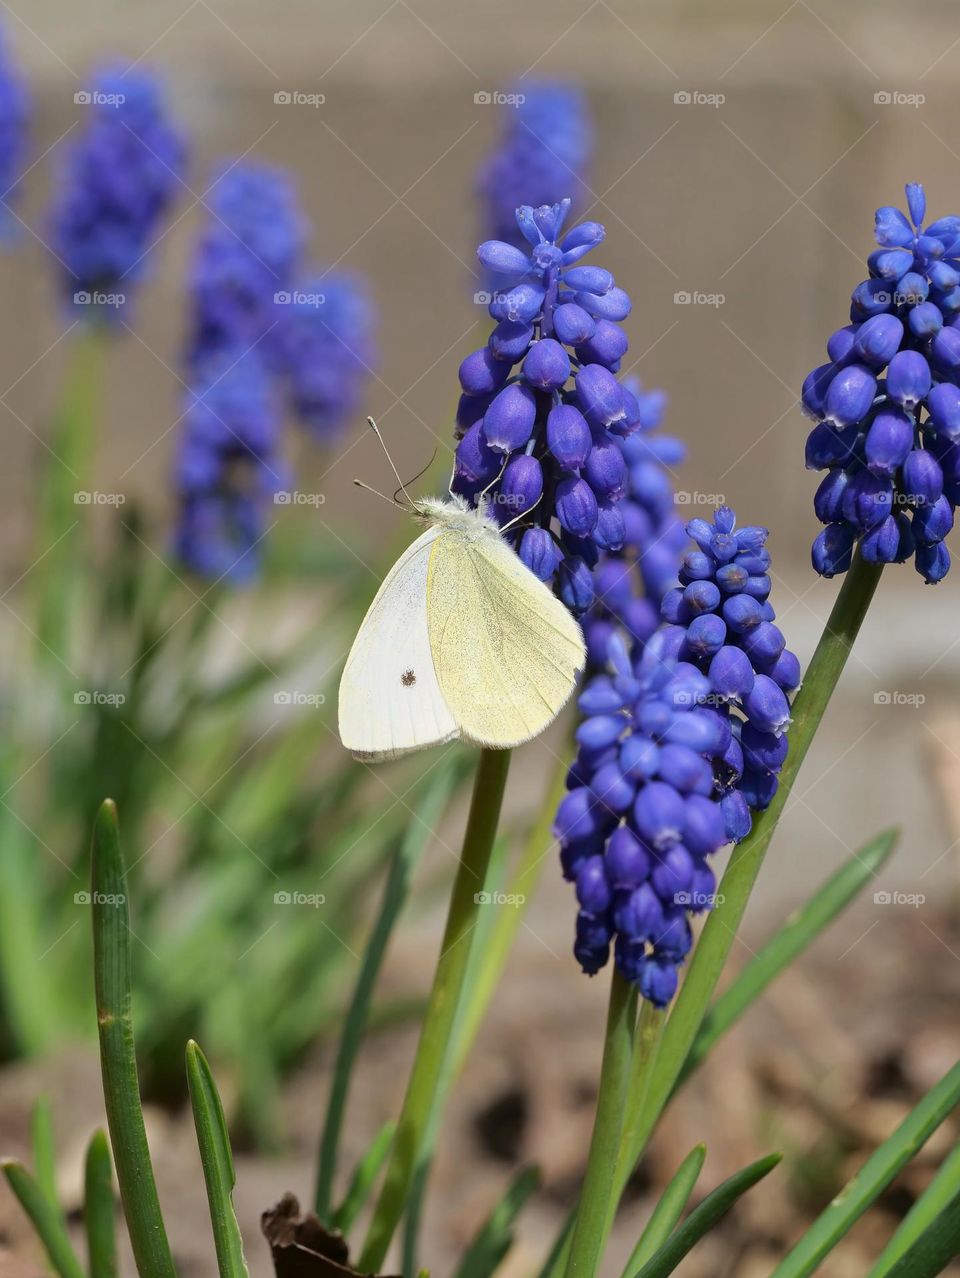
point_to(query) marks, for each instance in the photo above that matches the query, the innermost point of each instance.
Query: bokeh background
(762, 198)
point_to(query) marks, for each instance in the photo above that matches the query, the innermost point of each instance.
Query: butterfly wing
(390, 700)
(505, 650)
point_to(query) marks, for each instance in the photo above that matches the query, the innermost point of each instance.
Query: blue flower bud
(503, 259)
(605, 470)
(912, 290)
(785, 671)
(833, 549)
(932, 523)
(766, 706)
(588, 279)
(612, 789)
(640, 916)
(521, 486)
(508, 422)
(827, 446)
(881, 545)
(908, 379)
(699, 730)
(888, 442)
(925, 320)
(658, 815)
(731, 673)
(742, 613)
(576, 506)
(676, 940)
(878, 340)
(540, 553)
(764, 644)
(762, 750)
(889, 264)
(639, 757)
(672, 874)
(849, 395)
(685, 770)
(575, 584)
(601, 730)
(599, 396)
(736, 816)
(586, 235)
(840, 344)
(933, 562)
(606, 346)
(916, 202)
(945, 351)
(628, 861)
(872, 297)
(592, 946)
(614, 305)
(944, 405)
(922, 479)
(481, 373)
(706, 635)
(573, 325)
(758, 788)
(703, 827)
(658, 981)
(828, 499)
(474, 460)
(891, 229)
(696, 566)
(593, 891)
(815, 387)
(520, 305)
(568, 436)
(509, 340)
(547, 365)
(867, 500)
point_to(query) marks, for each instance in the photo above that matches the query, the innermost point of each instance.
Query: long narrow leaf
(44, 1149)
(368, 1169)
(395, 894)
(871, 1180)
(495, 1237)
(46, 1218)
(121, 1093)
(944, 1187)
(217, 1159)
(798, 932)
(98, 1208)
(667, 1211)
(704, 1217)
(939, 1243)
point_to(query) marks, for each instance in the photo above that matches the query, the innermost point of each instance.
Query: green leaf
(121, 1093)
(217, 1159)
(46, 1218)
(872, 1178)
(944, 1187)
(495, 1237)
(98, 1208)
(44, 1149)
(363, 1178)
(427, 814)
(704, 1217)
(797, 933)
(935, 1248)
(667, 1211)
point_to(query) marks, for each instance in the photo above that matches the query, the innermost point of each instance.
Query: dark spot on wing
(408, 678)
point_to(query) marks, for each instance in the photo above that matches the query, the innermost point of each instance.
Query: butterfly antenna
(523, 514)
(376, 492)
(418, 475)
(402, 488)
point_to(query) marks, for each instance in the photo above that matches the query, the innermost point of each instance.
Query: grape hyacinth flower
(14, 127)
(680, 741)
(541, 444)
(887, 404)
(227, 469)
(330, 351)
(630, 582)
(544, 152)
(245, 263)
(118, 182)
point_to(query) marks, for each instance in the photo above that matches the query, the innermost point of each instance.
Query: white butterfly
(462, 641)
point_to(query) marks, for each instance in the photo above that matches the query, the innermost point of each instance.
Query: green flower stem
(442, 1007)
(590, 1231)
(938, 1195)
(721, 927)
(121, 1093)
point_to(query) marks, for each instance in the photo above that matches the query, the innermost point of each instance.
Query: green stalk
(442, 1005)
(590, 1231)
(98, 1220)
(216, 1157)
(667, 1212)
(937, 1196)
(44, 1150)
(361, 1183)
(721, 927)
(46, 1218)
(939, 1243)
(121, 1092)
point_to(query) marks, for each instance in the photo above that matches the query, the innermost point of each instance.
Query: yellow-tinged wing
(505, 650)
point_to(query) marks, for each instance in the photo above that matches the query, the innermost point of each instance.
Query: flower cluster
(887, 405)
(543, 443)
(545, 149)
(630, 582)
(118, 182)
(680, 741)
(14, 125)
(330, 351)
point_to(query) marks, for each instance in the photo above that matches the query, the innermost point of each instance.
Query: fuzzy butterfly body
(461, 641)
